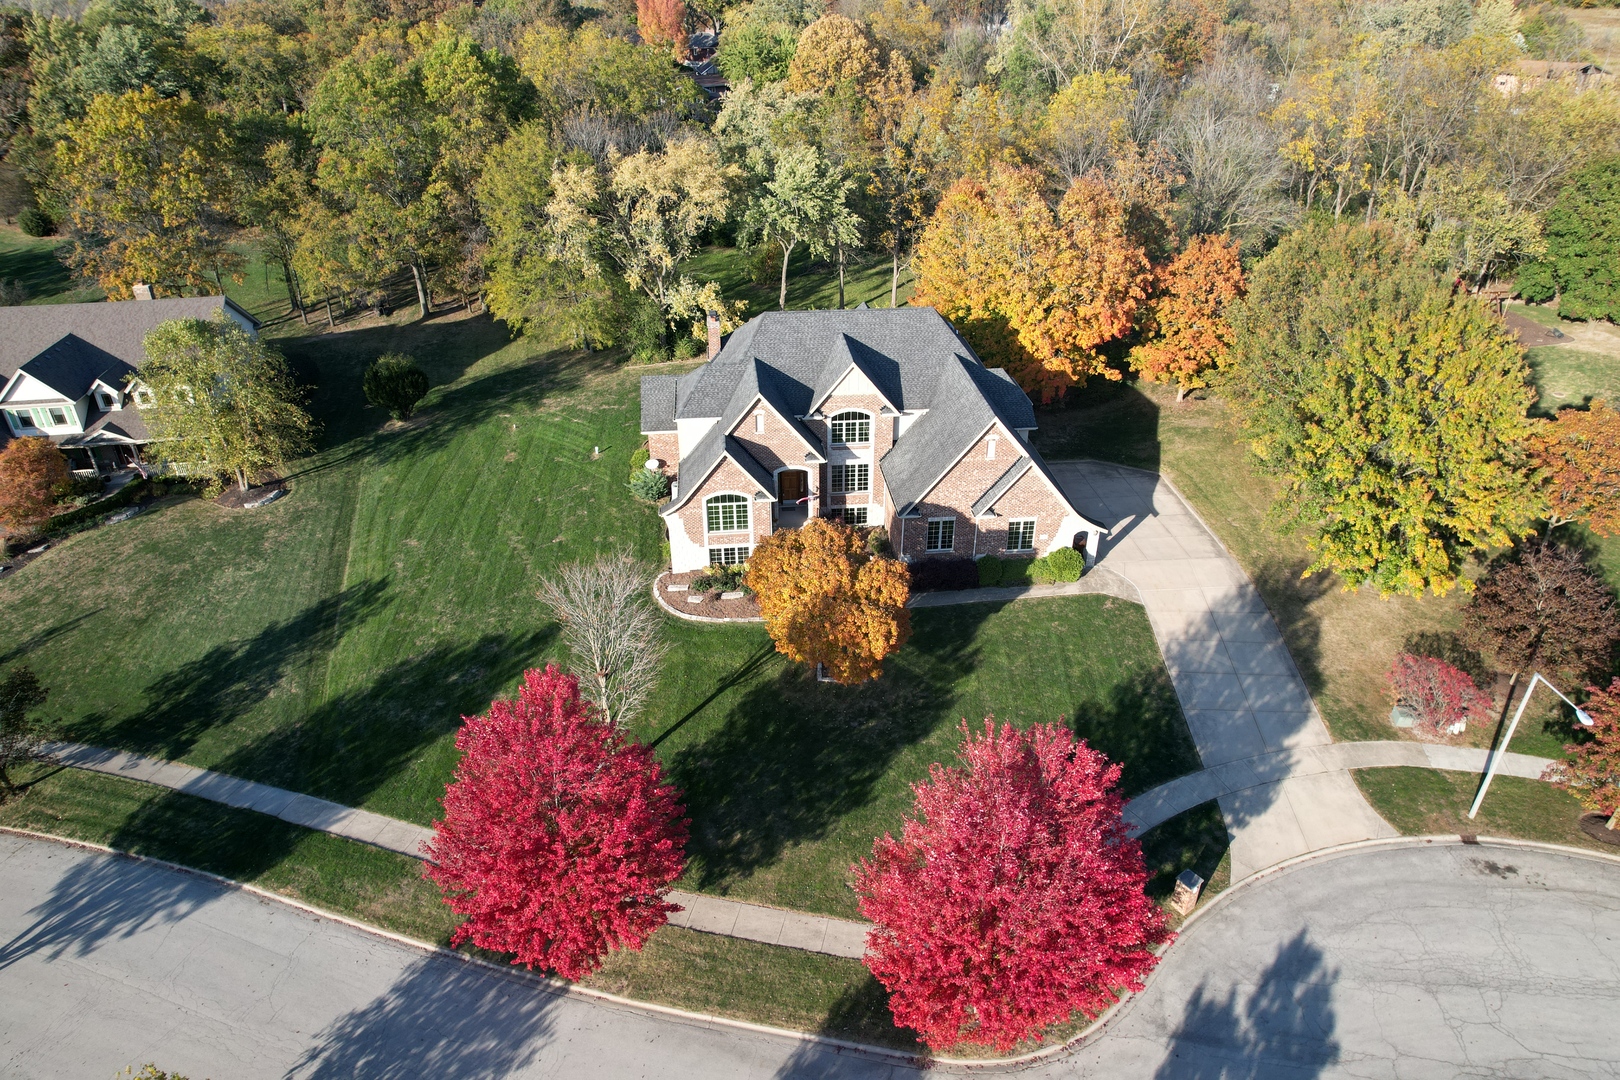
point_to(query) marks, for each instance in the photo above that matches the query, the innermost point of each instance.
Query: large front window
(1021, 535)
(728, 556)
(851, 427)
(848, 478)
(727, 513)
(849, 515)
(941, 534)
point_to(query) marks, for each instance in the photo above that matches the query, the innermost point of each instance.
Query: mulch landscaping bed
(1597, 827)
(712, 606)
(234, 498)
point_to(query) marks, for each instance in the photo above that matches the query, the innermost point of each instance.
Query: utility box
(1188, 887)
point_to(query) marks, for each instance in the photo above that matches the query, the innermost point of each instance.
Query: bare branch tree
(20, 694)
(609, 624)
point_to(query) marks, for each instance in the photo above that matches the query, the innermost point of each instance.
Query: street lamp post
(1496, 755)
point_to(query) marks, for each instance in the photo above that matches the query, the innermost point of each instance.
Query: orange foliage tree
(1036, 290)
(31, 472)
(663, 22)
(1187, 331)
(827, 600)
(1580, 452)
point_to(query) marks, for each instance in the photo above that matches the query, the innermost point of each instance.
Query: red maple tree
(32, 470)
(1579, 452)
(1439, 695)
(1188, 333)
(1014, 898)
(1592, 772)
(559, 839)
(663, 22)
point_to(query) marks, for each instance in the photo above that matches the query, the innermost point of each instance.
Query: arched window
(851, 427)
(727, 513)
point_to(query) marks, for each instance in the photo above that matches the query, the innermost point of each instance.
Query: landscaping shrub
(688, 347)
(1443, 698)
(35, 222)
(946, 574)
(649, 486)
(1015, 572)
(989, 572)
(721, 579)
(639, 459)
(1061, 565)
(877, 541)
(394, 382)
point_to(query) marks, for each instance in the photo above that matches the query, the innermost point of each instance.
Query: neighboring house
(71, 372)
(878, 417)
(1531, 74)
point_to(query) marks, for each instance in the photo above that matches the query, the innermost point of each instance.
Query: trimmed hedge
(1062, 564)
(947, 574)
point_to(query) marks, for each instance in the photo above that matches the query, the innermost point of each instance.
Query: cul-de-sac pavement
(1405, 959)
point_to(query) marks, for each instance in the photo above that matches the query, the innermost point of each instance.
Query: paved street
(1411, 961)
(1240, 691)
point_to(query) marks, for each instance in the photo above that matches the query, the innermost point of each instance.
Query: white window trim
(759, 422)
(871, 427)
(1014, 522)
(935, 550)
(747, 510)
(992, 455)
(839, 489)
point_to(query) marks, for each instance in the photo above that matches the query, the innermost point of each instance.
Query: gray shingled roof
(1002, 485)
(759, 380)
(658, 403)
(901, 347)
(72, 365)
(849, 353)
(115, 328)
(696, 466)
(118, 426)
(959, 415)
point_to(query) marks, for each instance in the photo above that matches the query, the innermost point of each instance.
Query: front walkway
(1241, 693)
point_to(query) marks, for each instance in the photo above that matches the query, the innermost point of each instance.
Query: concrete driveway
(1408, 961)
(1240, 691)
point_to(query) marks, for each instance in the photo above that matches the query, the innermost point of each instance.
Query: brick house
(879, 417)
(70, 372)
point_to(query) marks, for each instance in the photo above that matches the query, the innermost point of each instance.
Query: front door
(792, 486)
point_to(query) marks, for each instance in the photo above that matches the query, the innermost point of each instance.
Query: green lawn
(330, 642)
(32, 261)
(1427, 802)
(810, 284)
(1567, 375)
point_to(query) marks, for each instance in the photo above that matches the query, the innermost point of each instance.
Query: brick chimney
(142, 291)
(714, 334)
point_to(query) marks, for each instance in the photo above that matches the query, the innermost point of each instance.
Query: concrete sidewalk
(711, 914)
(1239, 689)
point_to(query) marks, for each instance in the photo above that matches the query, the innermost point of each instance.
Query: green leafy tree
(804, 201)
(148, 185)
(401, 126)
(223, 404)
(1393, 407)
(591, 71)
(527, 287)
(394, 382)
(640, 216)
(20, 694)
(1582, 267)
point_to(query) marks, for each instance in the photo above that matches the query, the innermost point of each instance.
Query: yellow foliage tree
(1035, 290)
(827, 600)
(148, 186)
(835, 51)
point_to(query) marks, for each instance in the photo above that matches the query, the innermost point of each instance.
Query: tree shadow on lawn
(794, 756)
(334, 365)
(1108, 421)
(344, 748)
(34, 641)
(1289, 595)
(1140, 725)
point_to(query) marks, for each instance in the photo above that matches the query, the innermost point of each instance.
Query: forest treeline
(558, 162)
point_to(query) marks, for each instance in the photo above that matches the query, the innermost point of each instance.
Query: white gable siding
(27, 388)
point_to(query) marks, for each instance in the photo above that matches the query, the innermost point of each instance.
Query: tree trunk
(241, 479)
(421, 288)
(894, 276)
(787, 253)
(329, 322)
(1614, 818)
(840, 277)
(1181, 393)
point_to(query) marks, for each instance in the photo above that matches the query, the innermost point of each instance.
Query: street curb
(898, 1057)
